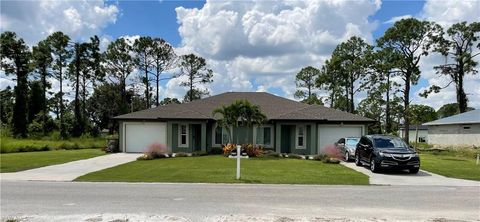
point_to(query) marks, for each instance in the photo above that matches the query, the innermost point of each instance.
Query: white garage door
(138, 136)
(329, 134)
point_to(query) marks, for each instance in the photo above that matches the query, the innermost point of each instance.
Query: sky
(250, 45)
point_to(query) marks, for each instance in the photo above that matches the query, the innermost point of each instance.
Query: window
(183, 135)
(264, 136)
(220, 136)
(342, 140)
(300, 140)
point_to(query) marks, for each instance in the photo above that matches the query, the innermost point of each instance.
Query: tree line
(121, 79)
(387, 70)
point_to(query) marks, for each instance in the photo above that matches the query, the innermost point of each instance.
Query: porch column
(169, 136)
(278, 137)
(313, 139)
(204, 137)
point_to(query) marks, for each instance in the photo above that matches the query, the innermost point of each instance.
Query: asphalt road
(74, 201)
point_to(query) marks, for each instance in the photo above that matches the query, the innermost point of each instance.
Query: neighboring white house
(422, 133)
(459, 130)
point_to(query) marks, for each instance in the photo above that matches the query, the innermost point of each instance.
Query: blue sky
(251, 46)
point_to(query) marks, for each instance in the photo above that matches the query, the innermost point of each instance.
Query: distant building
(422, 133)
(459, 130)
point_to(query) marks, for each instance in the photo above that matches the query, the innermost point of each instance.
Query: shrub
(320, 157)
(181, 154)
(145, 157)
(216, 150)
(155, 150)
(331, 160)
(273, 154)
(294, 156)
(227, 148)
(199, 153)
(253, 150)
(332, 151)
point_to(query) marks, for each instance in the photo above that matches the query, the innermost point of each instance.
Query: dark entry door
(197, 137)
(286, 139)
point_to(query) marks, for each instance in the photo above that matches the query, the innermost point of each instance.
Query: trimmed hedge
(12, 145)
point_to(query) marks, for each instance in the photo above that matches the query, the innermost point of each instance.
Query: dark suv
(386, 152)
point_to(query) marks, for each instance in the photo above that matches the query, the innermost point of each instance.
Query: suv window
(342, 140)
(389, 143)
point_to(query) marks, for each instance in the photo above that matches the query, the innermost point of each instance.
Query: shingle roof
(462, 118)
(274, 107)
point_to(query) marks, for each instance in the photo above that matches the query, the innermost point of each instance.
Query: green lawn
(12, 162)
(451, 166)
(219, 169)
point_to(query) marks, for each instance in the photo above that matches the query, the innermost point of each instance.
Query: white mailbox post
(238, 157)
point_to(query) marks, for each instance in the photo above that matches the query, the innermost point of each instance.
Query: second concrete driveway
(71, 170)
(422, 178)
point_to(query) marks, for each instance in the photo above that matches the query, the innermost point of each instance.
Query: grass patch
(450, 165)
(12, 145)
(218, 169)
(13, 162)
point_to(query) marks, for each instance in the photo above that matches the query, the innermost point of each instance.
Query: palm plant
(239, 111)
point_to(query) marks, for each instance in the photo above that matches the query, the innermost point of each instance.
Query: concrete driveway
(422, 178)
(71, 170)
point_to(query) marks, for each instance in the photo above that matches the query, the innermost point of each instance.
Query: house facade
(422, 133)
(458, 130)
(291, 127)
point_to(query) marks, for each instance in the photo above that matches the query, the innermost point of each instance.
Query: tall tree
(458, 47)
(15, 58)
(61, 54)
(372, 107)
(305, 82)
(350, 60)
(329, 79)
(92, 71)
(384, 66)
(119, 64)
(450, 109)
(7, 97)
(420, 114)
(35, 100)
(76, 69)
(163, 59)
(143, 48)
(42, 62)
(412, 39)
(195, 68)
(195, 94)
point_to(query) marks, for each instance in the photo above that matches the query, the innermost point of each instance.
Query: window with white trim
(183, 135)
(263, 136)
(300, 137)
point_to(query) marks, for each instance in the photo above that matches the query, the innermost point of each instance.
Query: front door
(197, 137)
(286, 138)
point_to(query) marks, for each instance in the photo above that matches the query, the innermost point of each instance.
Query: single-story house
(412, 129)
(292, 127)
(459, 130)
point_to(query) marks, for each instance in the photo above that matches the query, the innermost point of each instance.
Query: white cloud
(446, 14)
(397, 18)
(261, 45)
(34, 20)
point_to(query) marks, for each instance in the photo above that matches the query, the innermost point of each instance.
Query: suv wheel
(414, 170)
(347, 158)
(373, 166)
(357, 160)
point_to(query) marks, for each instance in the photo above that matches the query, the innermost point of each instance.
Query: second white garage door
(138, 135)
(329, 134)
